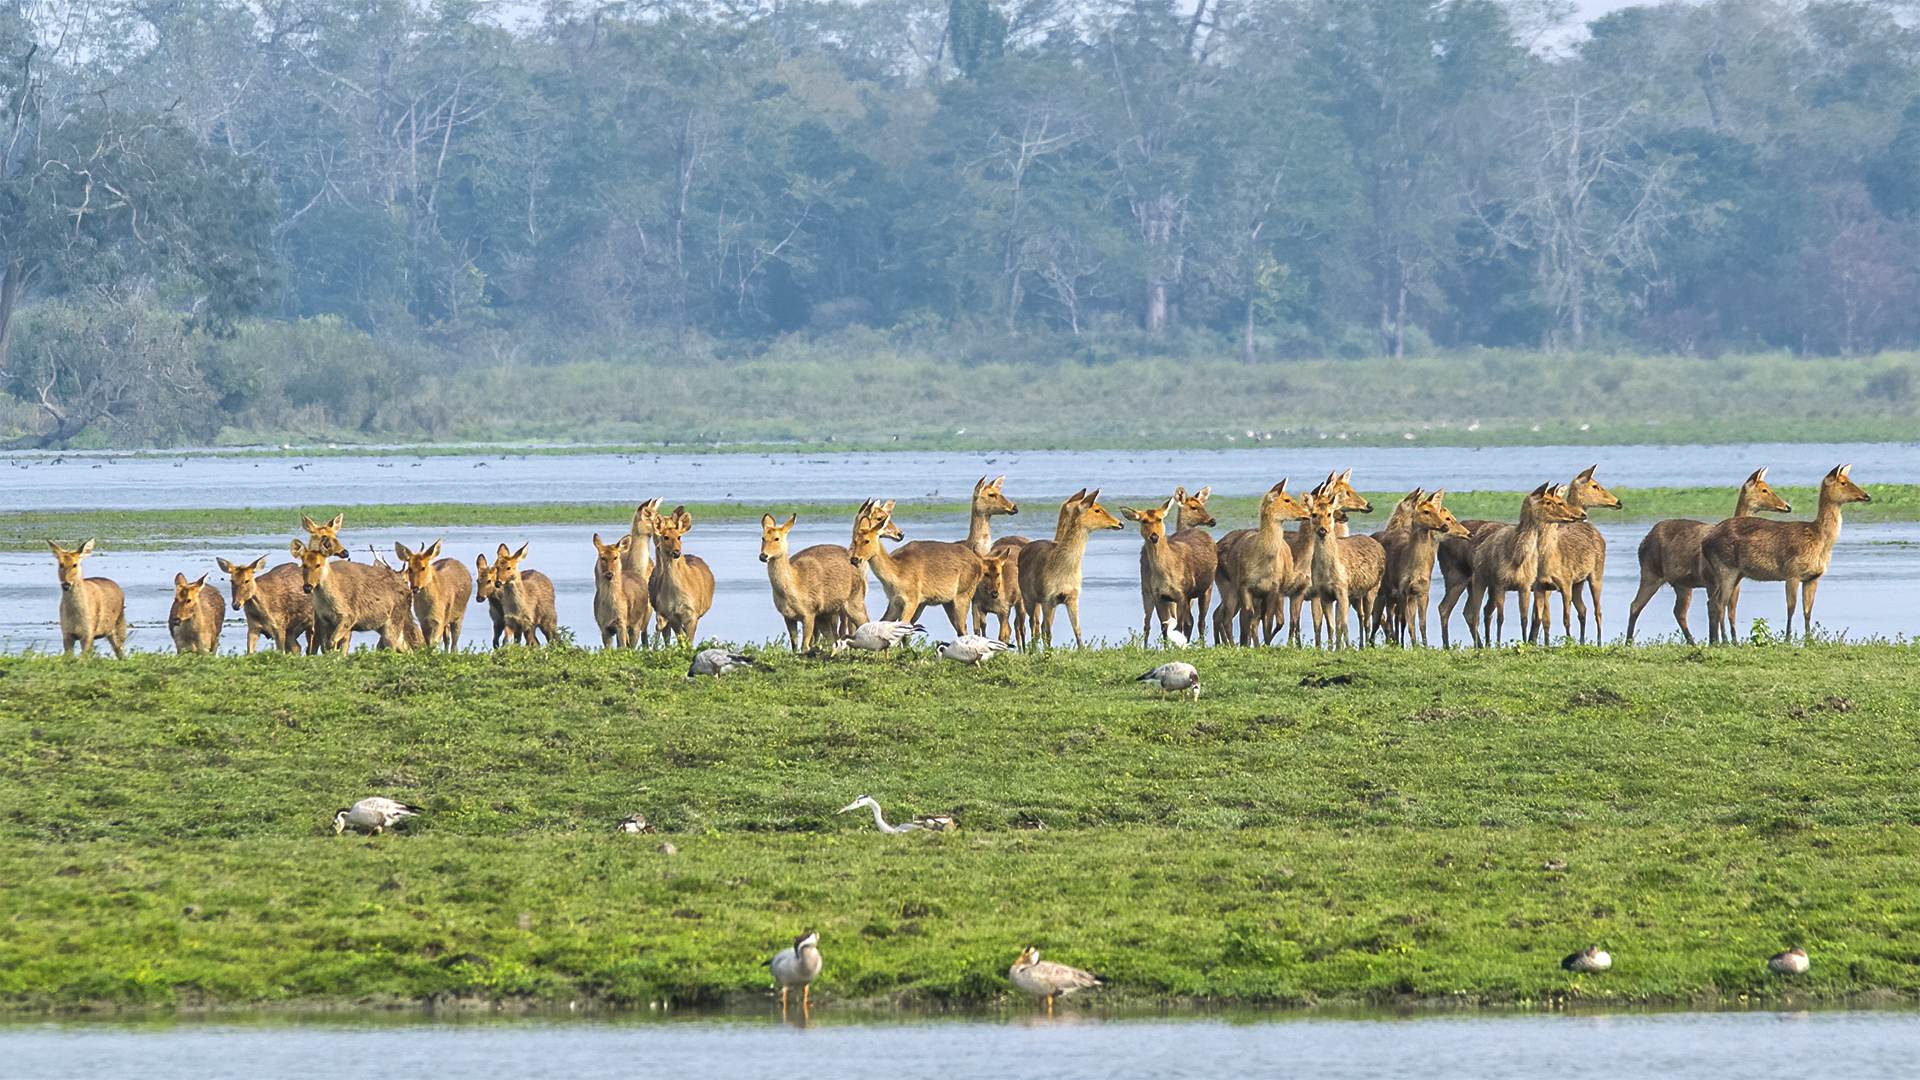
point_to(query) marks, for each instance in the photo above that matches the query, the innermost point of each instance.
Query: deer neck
(884, 567)
(980, 530)
(513, 596)
(781, 576)
(1826, 522)
(1325, 560)
(75, 603)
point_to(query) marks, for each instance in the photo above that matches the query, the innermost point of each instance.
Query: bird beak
(850, 806)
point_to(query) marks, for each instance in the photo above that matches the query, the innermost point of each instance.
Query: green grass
(29, 530)
(1291, 837)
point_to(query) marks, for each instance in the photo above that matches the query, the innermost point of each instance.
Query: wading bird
(878, 636)
(1174, 676)
(1047, 979)
(1591, 958)
(797, 966)
(937, 823)
(374, 815)
(718, 662)
(971, 648)
(1792, 962)
(1171, 637)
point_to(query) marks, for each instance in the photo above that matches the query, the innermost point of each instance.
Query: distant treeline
(1275, 179)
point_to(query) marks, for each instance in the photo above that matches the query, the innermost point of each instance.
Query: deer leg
(1793, 594)
(1682, 600)
(1447, 601)
(1806, 604)
(1648, 586)
(956, 613)
(1073, 616)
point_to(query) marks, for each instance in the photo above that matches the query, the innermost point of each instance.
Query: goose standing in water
(1047, 979)
(1792, 962)
(797, 966)
(374, 815)
(1176, 676)
(1592, 958)
(919, 824)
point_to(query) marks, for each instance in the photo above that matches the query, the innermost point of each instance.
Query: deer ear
(521, 554)
(1280, 488)
(225, 566)
(791, 518)
(1129, 513)
(400, 549)
(55, 548)
(338, 520)
(201, 582)
(1001, 479)
(1759, 474)
(179, 580)
(1204, 493)
(1841, 472)
(625, 544)
(433, 552)
(1168, 508)
(505, 552)
(1588, 475)
(308, 524)
(87, 548)
(299, 549)
(979, 485)
(766, 522)
(257, 563)
(480, 561)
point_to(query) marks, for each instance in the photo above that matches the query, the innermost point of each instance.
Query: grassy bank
(28, 530)
(1313, 828)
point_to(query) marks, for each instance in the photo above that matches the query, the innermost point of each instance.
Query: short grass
(29, 530)
(1356, 827)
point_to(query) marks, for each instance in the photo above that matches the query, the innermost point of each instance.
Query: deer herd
(1258, 581)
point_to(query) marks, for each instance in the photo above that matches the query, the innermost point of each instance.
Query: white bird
(718, 662)
(797, 966)
(878, 635)
(972, 648)
(1047, 979)
(1591, 958)
(633, 823)
(376, 814)
(1792, 962)
(1175, 676)
(1172, 637)
(938, 823)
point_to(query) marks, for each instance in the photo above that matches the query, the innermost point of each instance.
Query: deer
(818, 588)
(1570, 555)
(919, 573)
(326, 537)
(196, 615)
(1253, 566)
(1344, 573)
(1796, 552)
(1455, 558)
(440, 590)
(999, 590)
(273, 604)
(620, 604)
(1194, 522)
(90, 608)
(1337, 488)
(1409, 573)
(1173, 571)
(1507, 559)
(353, 596)
(526, 598)
(1050, 569)
(639, 559)
(486, 588)
(1670, 554)
(681, 586)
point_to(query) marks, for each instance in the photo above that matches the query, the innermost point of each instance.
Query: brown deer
(353, 596)
(1173, 571)
(326, 538)
(1796, 552)
(1507, 560)
(1253, 566)
(999, 591)
(1670, 555)
(486, 588)
(1050, 569)
(682, 585)
(274, 604)
(987, 502)
(90, 608)
(1337, 488)
(526, 598)
(1344, 574)
(1571, 555)
(1409, 575)
(1195, 520)
(1455, 559)
(817, 589)
(441, 589)
(195, 618)
(919, 573)
(620, 604)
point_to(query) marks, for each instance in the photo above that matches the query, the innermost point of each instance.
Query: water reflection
(1076, 1043)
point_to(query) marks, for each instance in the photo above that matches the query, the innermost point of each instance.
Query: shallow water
(154, 481)
(1694, 1046)
(1872, 589)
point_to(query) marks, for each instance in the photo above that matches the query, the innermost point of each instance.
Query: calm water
(1694, 1046)
(153, 482)
(1872, 589)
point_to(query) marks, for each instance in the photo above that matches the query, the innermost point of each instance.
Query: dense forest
(1279, 178)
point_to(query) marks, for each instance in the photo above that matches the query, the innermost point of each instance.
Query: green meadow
(1370, 827)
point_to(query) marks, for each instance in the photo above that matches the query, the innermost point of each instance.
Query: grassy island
(1368, 826)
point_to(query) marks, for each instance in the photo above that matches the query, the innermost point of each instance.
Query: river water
(1872, 590)
(1859, 1045)
(157, 482)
